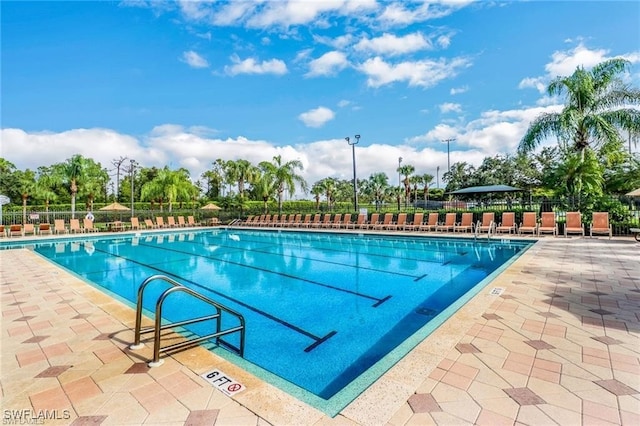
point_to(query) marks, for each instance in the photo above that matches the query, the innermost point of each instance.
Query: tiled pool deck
(559, 346)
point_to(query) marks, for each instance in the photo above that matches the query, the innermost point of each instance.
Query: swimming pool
(321, 309)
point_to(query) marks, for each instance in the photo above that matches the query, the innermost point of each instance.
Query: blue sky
(184, 83)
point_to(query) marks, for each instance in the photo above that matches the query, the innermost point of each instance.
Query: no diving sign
(223, 382)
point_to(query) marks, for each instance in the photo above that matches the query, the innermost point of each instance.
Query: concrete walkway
(559, 344)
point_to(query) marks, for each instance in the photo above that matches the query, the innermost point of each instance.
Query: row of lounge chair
(74, 226)
(388, 221)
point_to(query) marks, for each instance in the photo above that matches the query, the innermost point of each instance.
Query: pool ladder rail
(158, 326)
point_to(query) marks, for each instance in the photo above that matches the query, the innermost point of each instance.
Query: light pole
(399, 181)
(355, 184)
(448, 141)
(132, 170)
(438, 177)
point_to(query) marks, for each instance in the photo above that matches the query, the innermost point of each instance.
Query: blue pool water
(320, 308)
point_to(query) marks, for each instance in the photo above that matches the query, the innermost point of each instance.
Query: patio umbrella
(210, 206)
(115, 207)
(485, 189)
(634, 193)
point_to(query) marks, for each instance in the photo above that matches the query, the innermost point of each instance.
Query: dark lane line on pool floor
(318, 340)
(264, 246)
(439, 250)
(344, 290)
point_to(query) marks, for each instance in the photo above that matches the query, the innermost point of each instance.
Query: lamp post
(399, 181)
(355, 184)
(448, 141)
(132, 170)
(438, 177)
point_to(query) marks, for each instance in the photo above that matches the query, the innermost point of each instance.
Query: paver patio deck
(559, 345)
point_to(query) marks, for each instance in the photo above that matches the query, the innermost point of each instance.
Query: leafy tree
(460, 176)
(8, 179)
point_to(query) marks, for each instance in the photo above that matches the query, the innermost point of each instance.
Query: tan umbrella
(115, 207)
(634, 193)
(210, 206)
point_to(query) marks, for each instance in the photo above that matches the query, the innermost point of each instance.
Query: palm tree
(376, 186)
(426, 180)
(415, 180)
(328, 186)
(598, 106)
(27, 187)
(240, 171)
(72, 172)
(169, 185)
(45, 183)
(284, 176)
(406, 170)
(317, 190)
(264, 187)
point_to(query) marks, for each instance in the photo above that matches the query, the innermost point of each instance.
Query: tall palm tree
(27, 187)
(72, 172)
(317, 190)
(406, 170)
(328, 186)
(415, 180)
(598, 106)
(46, 180)
(240, 171)
(426, 180)
(285, 176)
(376, 186)
(264, 186)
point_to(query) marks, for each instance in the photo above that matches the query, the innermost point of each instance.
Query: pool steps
(176, 287)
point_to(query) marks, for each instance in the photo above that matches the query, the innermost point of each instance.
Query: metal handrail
(158, 327)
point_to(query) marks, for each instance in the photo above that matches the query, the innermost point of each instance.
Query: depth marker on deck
(223, 382)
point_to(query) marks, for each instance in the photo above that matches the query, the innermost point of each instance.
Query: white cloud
(403, 13)
(233, 13)
(294, 12)
(425, 73)
(533, 82)
(458, 90)
(564, 63)
(340, 42)
(392, 45)
(344, 103)
(317, 117)
(444, 41)
(251, 66)
(328, 64)
(493, 133)
(450, 107)
(194, 60)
